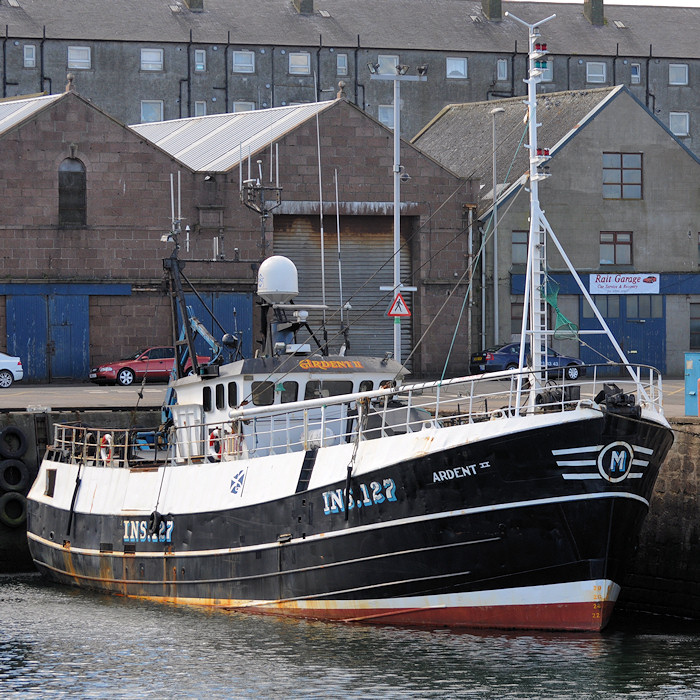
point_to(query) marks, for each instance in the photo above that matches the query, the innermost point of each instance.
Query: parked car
(11, 370)
(502, 357)
(155, 364)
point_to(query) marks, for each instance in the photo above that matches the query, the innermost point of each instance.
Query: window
(243, 62)
(239, 106)
(319, 389)
(206, 399)
(72, 193)
(79, 57)
(387, 64)
(516, 317)
(385, 114)
(51, 475)
(29, 56)
(232, 395)
(635, 73)
(219, 397)
(678, 74)
(622, 175)
(679, 123)
(341, 64)
(595, 72)
(607, 304)
(263, 393)
(519, 247)
(694, 326)
(200, 60)
(289, 391)
(200, 108)
(151, 59)
(300, 63)
(645, 306)
(151, 111)
(502, 69)
(456, 67)
(615, 247)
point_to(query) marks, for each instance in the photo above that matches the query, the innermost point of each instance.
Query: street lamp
(494, 112)
(398, 77)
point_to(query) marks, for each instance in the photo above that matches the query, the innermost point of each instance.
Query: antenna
(337, 228)
(320, 212)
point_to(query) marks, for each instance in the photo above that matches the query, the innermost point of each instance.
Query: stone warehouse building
(623, 200)
(85, 202)
(168, 59)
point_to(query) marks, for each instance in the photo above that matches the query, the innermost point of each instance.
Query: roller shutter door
(366, 249)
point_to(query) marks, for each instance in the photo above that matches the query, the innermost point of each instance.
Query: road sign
(398, 308)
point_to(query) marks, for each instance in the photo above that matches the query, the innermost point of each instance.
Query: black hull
(489, 534)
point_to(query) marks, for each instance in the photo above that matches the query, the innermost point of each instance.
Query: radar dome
(277, 280)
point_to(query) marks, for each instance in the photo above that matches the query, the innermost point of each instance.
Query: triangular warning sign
(399, 308)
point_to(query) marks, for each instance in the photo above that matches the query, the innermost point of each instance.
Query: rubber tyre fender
(9, 503)
(14, 434)
(14, 475)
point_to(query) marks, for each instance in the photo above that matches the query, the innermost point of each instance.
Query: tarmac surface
(42, 397)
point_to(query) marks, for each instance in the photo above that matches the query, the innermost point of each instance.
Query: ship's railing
(308, 425)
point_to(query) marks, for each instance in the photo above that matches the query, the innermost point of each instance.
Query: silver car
(11, 370)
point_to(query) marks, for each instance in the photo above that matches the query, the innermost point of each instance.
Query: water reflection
(58, 642)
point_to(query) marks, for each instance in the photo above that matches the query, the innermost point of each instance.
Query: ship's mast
(535, 308)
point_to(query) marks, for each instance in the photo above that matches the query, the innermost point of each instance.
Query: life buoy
(14, 475)
(215, 445)
(13, 509)
(13, 442)
(106, 449)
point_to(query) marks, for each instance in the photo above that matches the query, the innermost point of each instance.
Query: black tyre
(6, 379)
(13, 509)
(125, 377)
(572, 372)
(13, 442)
(14, 475)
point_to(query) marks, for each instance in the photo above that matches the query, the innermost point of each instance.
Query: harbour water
(57, 642)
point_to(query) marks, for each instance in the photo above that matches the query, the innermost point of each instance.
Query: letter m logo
(618, 461)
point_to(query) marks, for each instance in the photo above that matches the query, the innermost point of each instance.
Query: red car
(155, 364)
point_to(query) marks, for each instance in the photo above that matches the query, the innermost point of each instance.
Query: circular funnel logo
(615, 461)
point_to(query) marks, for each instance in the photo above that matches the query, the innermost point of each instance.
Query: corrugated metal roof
(13, 112)
(218, 142)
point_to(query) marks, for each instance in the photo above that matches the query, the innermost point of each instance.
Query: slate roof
(441, 25)
(218, 142)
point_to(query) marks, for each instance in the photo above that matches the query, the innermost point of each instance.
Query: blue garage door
(234, 312)
(50, 333)
(638, 322)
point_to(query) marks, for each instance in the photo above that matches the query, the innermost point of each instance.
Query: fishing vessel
(322, 485)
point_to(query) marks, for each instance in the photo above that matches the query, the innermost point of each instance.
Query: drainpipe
(648, 91)
(4, 62)
(189, 76)
(358, 84)
(318, 67)
(272, 76)
(44, 79)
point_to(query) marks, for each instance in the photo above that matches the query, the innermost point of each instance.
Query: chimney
(492, 10)
(195, 5)
(304, 7)
(593, 12)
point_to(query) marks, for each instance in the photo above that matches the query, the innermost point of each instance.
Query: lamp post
(398, 77)
(494, 112)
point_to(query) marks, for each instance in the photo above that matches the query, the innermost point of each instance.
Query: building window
(635, 73)
(243, 62)
(79, 57)
(622, 175)
(341, 64)
(200, 60)
(72, 193)
(679, 123)
(456, 67)
(645, 306)
(200, 108)
(516, 318)
(607, 304)
(502, 69)
(29, 56)
(615, 247)
(151, 111)
(519, 248)
(300, 63)
(678, 74)
(387, 64)
(595, 72)
(385, 114)
(241, 106)
(152, 59)
(695, 326)
(547, 68)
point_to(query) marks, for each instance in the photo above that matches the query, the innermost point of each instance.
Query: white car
(11, 370)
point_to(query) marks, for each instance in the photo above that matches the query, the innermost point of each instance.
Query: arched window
(72, 193)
